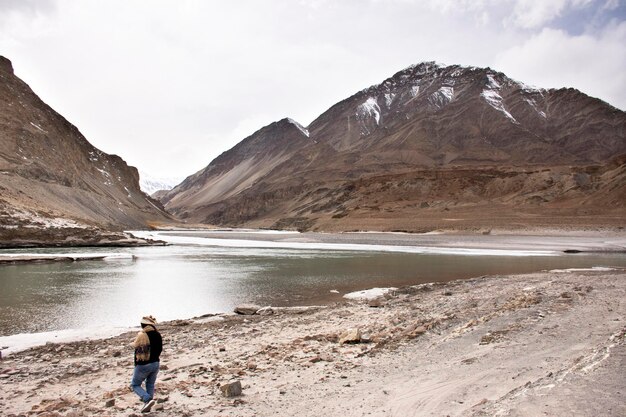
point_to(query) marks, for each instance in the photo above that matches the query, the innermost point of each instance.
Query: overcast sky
(169, 85)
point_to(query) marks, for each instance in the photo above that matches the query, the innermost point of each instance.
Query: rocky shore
(550, 343)
(69, 237)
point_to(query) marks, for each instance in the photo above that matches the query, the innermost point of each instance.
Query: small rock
(222, 348)
(163, 399)
(117, 354)
(157, 407)
(351, 336)
(231, 389)
(110, 403)
(251, 366)
(247, 309)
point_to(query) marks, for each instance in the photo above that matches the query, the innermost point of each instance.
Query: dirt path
(539, 344)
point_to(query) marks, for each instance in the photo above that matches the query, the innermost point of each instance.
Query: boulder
(231, 389)
(247, 309)
(350, 336)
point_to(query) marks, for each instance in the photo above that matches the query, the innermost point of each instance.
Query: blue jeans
(148, 373)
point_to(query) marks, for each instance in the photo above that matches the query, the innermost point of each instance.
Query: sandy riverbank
(550, 343)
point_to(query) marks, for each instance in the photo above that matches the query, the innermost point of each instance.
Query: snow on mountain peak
(150, 184)
(299, 126)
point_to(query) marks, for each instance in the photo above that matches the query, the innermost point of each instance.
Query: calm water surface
(186, 281)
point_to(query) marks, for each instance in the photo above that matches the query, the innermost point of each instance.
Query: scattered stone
(247, 309)
(486, 339)
(350, 336)
(222, 348)
(163, 399)
(251, 366)
(110, 403)
(231, 389)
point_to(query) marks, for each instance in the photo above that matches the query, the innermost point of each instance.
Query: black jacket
(156, 346)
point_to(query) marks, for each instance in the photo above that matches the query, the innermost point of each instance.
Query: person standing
(148, 346)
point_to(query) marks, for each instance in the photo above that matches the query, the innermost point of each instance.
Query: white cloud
(154, 82)
(552, 58)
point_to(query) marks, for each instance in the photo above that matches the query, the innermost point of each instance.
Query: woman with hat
(148, 345)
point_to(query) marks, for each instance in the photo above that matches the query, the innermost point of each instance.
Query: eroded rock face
(52, 178)
(429, 139)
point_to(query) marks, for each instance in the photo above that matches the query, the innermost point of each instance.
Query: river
(201, 274)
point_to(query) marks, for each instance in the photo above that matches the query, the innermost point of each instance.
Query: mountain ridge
(424, 117)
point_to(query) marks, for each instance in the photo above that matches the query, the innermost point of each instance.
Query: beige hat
(148, 320)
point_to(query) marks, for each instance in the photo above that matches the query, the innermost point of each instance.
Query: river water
(199, 276)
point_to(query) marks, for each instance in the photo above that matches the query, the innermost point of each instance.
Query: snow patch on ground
(389, 99)
(494, 99)
(368, 294)
(23, 341)
(105, 173)
(36, 126)
(492, 83)
(533, 104)
(369, 109)
(592, 269)
(442, 96)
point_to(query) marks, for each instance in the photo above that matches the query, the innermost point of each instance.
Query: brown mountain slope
(51, 177)
(429, 140)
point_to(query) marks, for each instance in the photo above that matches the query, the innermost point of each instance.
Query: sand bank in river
(550, 343)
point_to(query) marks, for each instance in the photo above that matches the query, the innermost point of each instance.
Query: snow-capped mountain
(429, 138)
(150, 184)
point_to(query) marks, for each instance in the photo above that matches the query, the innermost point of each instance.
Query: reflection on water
(185, 281)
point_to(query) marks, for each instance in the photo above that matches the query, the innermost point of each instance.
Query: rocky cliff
(54, 185)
